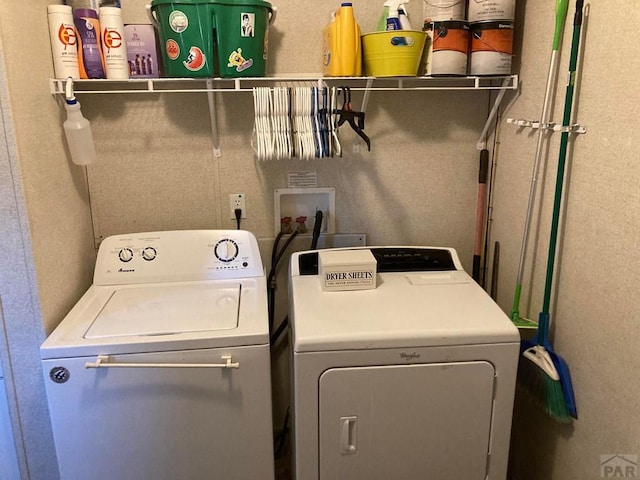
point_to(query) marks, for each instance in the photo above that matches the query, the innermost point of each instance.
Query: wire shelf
(195, 85)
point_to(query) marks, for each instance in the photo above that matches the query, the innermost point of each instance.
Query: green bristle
(555, 404)
(544, 390)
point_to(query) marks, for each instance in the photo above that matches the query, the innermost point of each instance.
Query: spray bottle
(77, 130)
(404, 16)
(394, 16)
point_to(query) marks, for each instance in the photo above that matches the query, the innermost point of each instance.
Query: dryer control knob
(125, 255)
(226, 250)
(149, 253)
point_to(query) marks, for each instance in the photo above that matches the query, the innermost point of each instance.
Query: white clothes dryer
(412, 379)
(162, 368)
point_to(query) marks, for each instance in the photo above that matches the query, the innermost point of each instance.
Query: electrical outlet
(237, 200)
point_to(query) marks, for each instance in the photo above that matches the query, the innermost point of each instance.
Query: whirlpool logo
(409, 356)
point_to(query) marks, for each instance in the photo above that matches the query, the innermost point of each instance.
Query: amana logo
(127, 270)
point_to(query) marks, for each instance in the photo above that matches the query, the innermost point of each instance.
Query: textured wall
(418, 185)
(47, 248)
(54, 188)
(594, 313)
(156, 171)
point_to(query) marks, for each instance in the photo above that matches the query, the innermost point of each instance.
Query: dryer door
(406, 421)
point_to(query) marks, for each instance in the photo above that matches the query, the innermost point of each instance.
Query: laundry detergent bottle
(342, 45)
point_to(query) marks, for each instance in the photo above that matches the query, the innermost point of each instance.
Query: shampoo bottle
(64, 48)
(90, 59)
(114, 48)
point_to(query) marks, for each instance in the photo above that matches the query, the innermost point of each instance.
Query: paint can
(485, 10)
(442, 10)
(447, 48)
(491, 48)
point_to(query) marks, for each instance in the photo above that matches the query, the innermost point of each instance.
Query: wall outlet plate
(237, 200)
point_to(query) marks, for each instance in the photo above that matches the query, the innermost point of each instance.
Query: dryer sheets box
(347, 270)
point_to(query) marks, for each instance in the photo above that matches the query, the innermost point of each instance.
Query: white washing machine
(162, 369)
(412, 379)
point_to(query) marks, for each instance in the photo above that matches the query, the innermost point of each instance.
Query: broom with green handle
(544, 371)
(561, 15)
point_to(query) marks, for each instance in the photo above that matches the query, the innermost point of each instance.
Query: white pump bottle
(77, 130)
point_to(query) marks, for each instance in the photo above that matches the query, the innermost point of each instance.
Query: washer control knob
(125, 255)
(226, 250)
(149, 253)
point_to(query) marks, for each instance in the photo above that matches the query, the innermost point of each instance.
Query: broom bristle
(556, 405)
(544, 390)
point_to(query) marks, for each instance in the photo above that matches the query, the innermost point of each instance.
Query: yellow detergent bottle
(342, 56)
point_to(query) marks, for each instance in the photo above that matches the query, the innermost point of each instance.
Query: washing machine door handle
(102, 361)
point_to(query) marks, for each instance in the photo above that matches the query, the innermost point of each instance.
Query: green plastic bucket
(187, 30)
(186, 40)
(242, 36)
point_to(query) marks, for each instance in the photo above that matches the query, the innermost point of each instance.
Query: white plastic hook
(68, 89)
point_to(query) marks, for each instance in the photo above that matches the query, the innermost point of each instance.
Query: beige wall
(155, 170)
(594, 315)
(47, 244)
(55, 189)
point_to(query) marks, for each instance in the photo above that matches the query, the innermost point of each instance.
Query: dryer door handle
(102, 361)
(348, 435)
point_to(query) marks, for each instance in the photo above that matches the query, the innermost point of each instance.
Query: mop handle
(561, 15)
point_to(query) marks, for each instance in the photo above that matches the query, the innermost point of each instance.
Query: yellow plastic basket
(393, 54)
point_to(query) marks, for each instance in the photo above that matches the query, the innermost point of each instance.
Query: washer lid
(163, 317)
(165, 310)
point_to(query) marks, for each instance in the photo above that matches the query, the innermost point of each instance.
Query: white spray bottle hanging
(77, 130)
